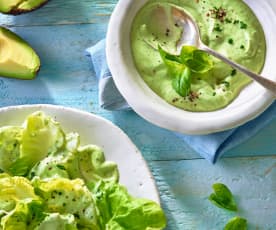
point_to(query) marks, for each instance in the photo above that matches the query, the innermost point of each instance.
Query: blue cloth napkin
(210, 146)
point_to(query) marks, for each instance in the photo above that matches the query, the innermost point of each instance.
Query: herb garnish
(228, 20)
(217, 28)
(182, 67)
(182, 83)
(233, 72)
(236, 223)
(222, 197)
(243, 25)
(226, 83)
(218, 13)
(231, 41)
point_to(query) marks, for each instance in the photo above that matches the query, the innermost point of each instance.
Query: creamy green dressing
(230, 27)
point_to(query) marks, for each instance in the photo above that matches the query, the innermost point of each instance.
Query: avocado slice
(17, 58)
(20, 6)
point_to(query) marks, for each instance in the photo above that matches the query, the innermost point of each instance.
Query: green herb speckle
(231, 41)
(243, 25)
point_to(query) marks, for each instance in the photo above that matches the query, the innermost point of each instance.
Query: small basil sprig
(222, 197)
(236, 223)
(182, 83)
(181, 67)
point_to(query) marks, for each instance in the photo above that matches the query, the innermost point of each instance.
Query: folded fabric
(210, 146)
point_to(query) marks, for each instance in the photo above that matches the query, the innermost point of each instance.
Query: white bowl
(134, 173)
(252, 101)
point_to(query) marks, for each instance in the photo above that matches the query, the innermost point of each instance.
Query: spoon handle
(266, 83)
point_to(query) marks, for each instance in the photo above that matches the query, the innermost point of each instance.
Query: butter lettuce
(22, 147)
(20, 207)
(56, 221)
(62, 195)
(27, 215)
(13, 190)
(94, 167)
(10, 139)
(118, 210)
(52, 182)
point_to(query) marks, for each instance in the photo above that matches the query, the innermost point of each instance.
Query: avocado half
(17, 58)
(20, 6)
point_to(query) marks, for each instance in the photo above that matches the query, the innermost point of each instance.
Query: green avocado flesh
(229, 27)
(19, 6)
(17, 58)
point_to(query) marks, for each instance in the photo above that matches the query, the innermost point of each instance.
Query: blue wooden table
(60, 32)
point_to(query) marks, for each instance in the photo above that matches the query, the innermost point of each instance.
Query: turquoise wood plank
(186, 185)
(58, 12)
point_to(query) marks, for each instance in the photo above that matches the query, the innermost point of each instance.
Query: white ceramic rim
(148, 190)
(154, 109)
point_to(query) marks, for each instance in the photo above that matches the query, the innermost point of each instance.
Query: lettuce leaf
(119, 210)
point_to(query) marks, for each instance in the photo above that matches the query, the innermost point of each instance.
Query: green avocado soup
(229, 27)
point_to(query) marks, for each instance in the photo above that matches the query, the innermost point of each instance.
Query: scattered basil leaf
(222, 197)
(182, 83)
(201, 62)
(236, 223)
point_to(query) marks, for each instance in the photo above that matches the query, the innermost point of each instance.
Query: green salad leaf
(13, 190)
(121, 211)
(10, 138)
(236, 223)
(23, 146)
(26, 215)
(183, 67)
(63, 195)
(56, 221)
(45, 178)
(222, 197)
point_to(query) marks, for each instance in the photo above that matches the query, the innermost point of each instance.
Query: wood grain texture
(60, 12)
(186, 185)
(60, 32)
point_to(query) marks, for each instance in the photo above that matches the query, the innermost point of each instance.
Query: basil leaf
(187, 53)
(236, 223)
(173, 62)
(201, 62)
(167, 56)
(182, 83)
(222, 197)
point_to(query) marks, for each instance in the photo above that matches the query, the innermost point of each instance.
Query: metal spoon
(191, 26)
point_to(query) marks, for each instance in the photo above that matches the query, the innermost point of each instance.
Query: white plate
(252, 101)
(134, 173)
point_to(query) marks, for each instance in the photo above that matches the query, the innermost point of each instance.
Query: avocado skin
(17, 11)
(29, 73)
